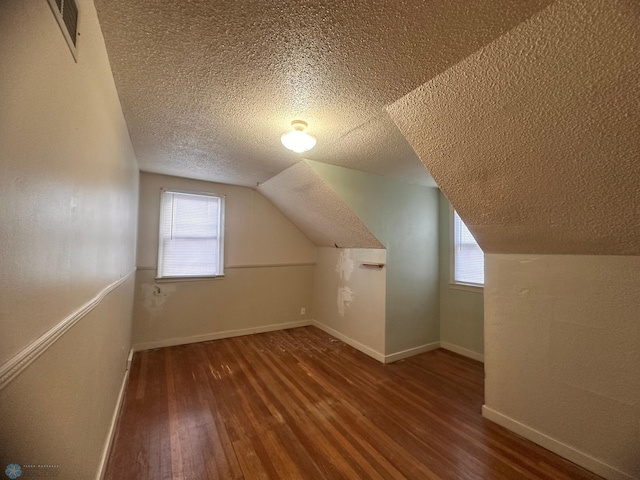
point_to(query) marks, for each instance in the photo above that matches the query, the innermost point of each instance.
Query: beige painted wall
(268, 271)
(461, 311)
(256, 233)
(68, 183)
(59, 409)
(67, 169)
(562, 354)
(350, 298)
(404, 218)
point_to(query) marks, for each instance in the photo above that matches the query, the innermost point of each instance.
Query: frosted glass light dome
(297, 139)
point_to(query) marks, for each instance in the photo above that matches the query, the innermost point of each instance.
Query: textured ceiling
(306, 199)
(535, 139)
(207, 88)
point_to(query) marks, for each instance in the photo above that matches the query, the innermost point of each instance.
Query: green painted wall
(461, 311)
(404, 218)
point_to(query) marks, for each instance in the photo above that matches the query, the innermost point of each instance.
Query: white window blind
(468, 259)
(191, 235)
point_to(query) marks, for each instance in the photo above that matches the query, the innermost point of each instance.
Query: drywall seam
(350, 341)
(410, 352)
(170, 342)
(465, 352)
(114, 421)
(19, 362)
(562, 449)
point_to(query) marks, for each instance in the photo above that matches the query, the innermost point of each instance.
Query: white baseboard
(130, 358)
(394, 357)
(218, 335)
(462, 351)
(350, 341)
(562, 449)
(114, 421)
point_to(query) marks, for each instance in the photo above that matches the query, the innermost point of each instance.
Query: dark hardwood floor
(299, 404)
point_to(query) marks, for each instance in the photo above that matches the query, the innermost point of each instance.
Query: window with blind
(468, 258)
(191, 235)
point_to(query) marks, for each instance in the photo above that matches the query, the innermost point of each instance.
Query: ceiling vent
(66, 13)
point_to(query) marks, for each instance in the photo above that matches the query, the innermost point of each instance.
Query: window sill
(468, 287)
(188, 279)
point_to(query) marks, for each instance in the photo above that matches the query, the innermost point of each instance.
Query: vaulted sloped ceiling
(320, 213)
(535, 139)
(207, 87)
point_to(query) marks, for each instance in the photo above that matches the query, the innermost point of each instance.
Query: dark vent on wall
(70, 17)
(66, 13)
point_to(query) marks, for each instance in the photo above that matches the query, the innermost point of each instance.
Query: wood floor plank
(322, 408)
(299, 412)
(219, 449)
(299, 404)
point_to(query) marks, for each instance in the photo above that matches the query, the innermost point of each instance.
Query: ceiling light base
(297, 139)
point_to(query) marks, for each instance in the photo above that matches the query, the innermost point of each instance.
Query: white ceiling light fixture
(297, 139)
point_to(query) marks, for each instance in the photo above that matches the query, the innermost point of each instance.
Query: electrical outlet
(303, 311)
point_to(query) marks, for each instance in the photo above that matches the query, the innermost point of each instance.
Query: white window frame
(472, 287)
(221, 222)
